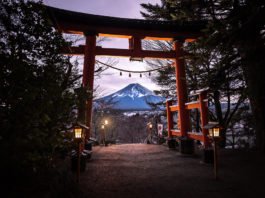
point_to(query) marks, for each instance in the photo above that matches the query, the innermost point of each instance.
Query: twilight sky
(111, 81)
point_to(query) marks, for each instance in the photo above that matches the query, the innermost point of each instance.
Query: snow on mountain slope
(132, 97)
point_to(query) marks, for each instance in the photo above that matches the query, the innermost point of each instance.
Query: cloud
(116, 8)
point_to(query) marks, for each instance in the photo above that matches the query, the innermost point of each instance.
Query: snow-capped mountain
(132, 97)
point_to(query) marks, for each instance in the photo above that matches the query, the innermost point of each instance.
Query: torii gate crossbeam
(135, 30)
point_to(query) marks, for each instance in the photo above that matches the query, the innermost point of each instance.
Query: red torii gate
(135, 30)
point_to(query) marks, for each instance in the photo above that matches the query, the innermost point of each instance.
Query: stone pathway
(144, 170)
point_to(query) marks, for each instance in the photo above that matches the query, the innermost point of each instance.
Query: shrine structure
(136, 30)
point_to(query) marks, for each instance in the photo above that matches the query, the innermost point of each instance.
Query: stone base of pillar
(208, 156)
(172, 143)
(186, 146)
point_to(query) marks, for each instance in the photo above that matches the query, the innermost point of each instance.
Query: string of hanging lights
(130, 71)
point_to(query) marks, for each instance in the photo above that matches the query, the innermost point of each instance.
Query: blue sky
(111, 81)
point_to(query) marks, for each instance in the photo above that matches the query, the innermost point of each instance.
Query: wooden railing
(202, 105)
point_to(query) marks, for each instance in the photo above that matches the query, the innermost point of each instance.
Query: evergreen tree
(218, 62)
(37, 98)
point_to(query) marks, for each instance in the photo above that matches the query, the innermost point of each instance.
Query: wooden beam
(189, 40)
(88, 77)
(143, 33)
(195, 136)
(192, 105)
(132, 53)
(79, 50)
(174, 108)
(158, 38)
(181, 84)
(169, 118)
(115, 35)
(175, 133)
(191, 135)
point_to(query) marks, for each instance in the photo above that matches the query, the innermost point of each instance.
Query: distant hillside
(132, 97)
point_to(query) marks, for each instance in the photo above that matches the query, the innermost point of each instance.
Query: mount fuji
(132, 97)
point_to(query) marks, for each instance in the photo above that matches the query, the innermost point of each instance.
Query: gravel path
(141, 170)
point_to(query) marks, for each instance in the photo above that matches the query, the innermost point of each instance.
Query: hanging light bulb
(149, 73)
(120, 73)
(130, 75)
(140, 75)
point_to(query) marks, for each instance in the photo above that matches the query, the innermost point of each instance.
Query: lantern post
(78, 133)
(214, 135)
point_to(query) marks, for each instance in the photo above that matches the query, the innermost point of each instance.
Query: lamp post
(149, 128)
(103, 133)
(104, 127)
(78, 136)
(215, 135)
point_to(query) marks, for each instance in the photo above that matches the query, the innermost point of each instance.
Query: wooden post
(181, 89)
(135, 44)
(88, 77)
(169, 118)
(204, 118)
(78, 162)
(215, 159)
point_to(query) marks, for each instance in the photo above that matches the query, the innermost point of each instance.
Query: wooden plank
(132, 53)
(158, 38)
(115, 35)
(88, 78)
(204, 117)
(195, 136)
(174, 108)
(191, 135)
(184, 120)
(79, 50)
(80, 29)
(169, 118)
(175, 133)
(192, 105)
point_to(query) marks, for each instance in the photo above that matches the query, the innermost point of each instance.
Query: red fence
(202, 105)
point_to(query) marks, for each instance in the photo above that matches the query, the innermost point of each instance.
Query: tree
(37, 98)
(213, 65)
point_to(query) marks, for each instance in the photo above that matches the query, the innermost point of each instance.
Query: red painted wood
(193, 105)
(204, 117)
(79, 25)
(184, 122)
(174, 108)
(175, 133)
(195, 136)
(88, 76)
(79, 50)
(79, 29)
(191, 135)
(169, 118)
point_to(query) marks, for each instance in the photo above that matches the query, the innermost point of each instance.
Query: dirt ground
(144, 170)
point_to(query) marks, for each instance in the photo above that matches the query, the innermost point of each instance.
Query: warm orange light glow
(216, 132)
(150, 126)
(115, 36)
(78, 132)
(210, 132)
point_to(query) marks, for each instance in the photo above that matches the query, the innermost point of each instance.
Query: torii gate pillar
(184, 124)
(88, 77)
(186, 144)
